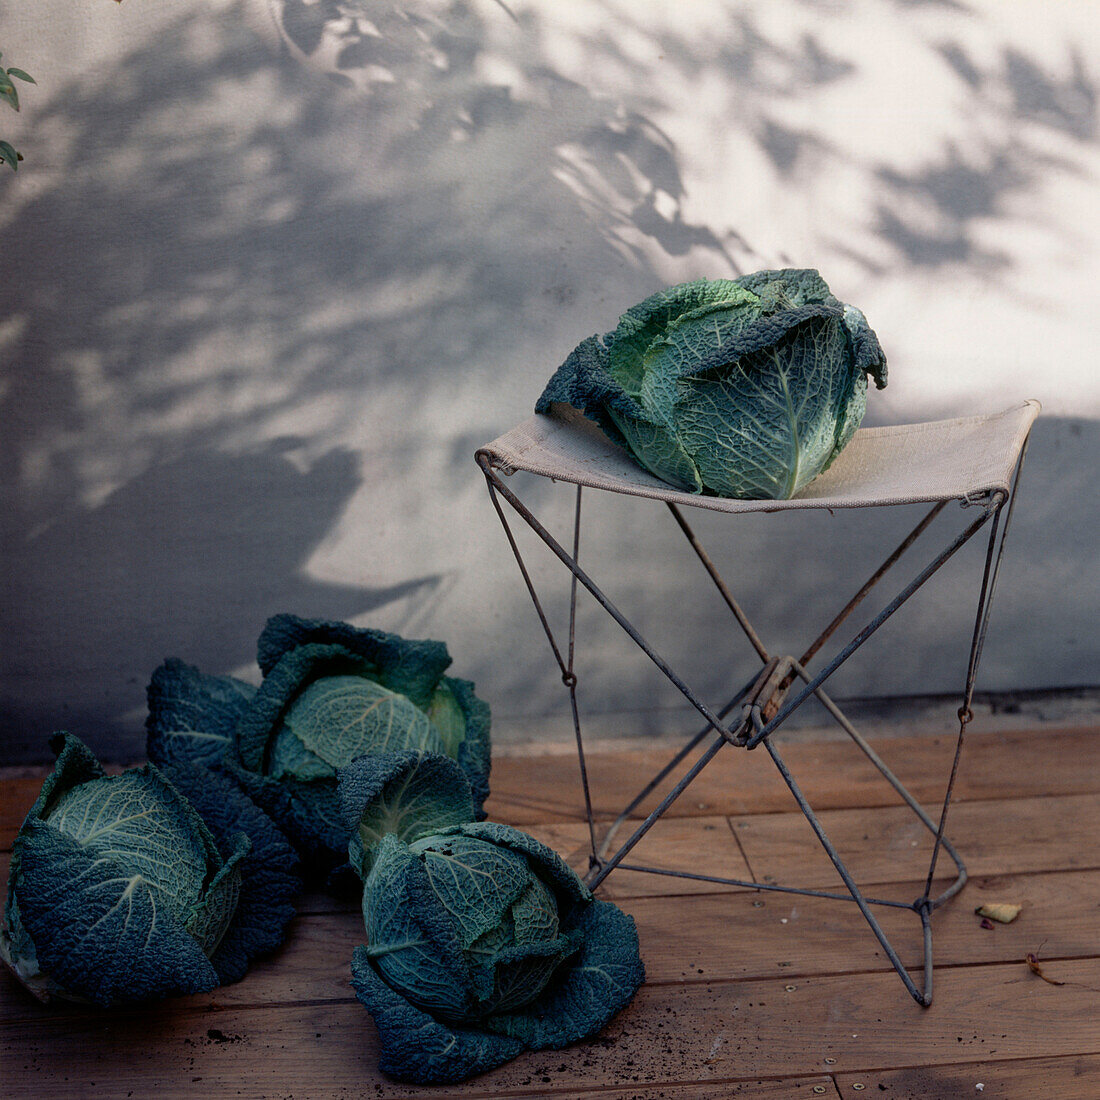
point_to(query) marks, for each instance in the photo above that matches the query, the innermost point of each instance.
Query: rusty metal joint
(770, 688)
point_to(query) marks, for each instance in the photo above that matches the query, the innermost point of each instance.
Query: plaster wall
(275, 268)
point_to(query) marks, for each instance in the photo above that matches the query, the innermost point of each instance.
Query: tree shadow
(379, 240)
(184, 560)
(935, 215)
(253, 252)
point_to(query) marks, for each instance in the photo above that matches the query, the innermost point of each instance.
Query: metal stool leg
(767, 701)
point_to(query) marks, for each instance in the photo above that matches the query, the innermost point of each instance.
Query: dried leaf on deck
(1002, 912)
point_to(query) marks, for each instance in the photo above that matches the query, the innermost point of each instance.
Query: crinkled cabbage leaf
(482, 942)
(330, 693)
(407, 795)
(122, 891)
(745, 388)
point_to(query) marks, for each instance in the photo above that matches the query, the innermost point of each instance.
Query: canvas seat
(972, 461)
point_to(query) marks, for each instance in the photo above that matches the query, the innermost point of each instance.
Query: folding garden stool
(974, 461)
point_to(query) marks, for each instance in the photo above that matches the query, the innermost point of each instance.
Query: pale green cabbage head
(745, 388)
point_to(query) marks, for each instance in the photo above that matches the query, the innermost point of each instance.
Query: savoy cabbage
(133, 887)
(330, 693)
(482, 942)
(746, 387)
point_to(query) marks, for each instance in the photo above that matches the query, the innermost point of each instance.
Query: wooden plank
(790, 1088)
(1076, 1077)
(18, 796)
(538, 789)
(1020, 764)
(710, 1022)
(703, 1032)
(671, 843)
(716, 937)
(879, 845)
(742, 936)
(994, 838)
(890, 844)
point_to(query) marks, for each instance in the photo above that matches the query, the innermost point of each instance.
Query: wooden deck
(748, 994)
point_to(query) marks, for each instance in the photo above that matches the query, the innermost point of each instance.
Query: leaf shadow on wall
(249, 250)
(181, 561)
(247, 254)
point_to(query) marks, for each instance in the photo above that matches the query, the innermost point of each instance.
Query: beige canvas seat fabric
(962, 458)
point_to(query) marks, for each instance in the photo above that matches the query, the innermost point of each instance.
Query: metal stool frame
(769, 698)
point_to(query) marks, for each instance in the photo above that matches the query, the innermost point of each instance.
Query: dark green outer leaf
(797, 285)
(535, 914)
(850, 405)
(411, 667)
(585, 382)
(98, 930)
(518, 975)
(192, 716)
(648, 321)
(308, 813)
(592, 988)
(75, 764)
(544, 861)
(418, 1048)
(475, 880)
(270, 876)
(867, 353)
(733, 343)
(406, 794)
(767, 426)
(412, 937)
(211, 917)
(281, 684)
(660, 451)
